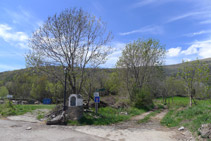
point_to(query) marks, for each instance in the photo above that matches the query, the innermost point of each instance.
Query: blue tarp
(46, 101)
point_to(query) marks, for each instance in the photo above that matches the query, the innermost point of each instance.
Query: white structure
(75, 100)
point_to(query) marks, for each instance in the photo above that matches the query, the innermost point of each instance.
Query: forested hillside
(32, 84)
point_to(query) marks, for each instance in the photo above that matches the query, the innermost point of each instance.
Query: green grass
(189, 117)
(176, 103)
(9, 109)
(107, 116)
(147, 118)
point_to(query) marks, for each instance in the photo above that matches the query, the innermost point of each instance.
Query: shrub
(143, 98)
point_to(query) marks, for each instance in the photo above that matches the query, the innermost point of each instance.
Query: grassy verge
(107, 116)
(190, 117)
(9, 109)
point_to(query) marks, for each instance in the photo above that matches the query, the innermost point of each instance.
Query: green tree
(192, 73)
(140, 62)
(113, 83)
(3, 92)
(38, 90)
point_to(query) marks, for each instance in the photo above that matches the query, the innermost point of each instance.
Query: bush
(143, 98)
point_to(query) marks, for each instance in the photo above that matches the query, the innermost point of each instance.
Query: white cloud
(197, 49)
(198, 33)
(150, 2)
(147, 29)
(19, 15)
(172, 52)
(187, 15)
(12, 37)
(22, 17)
(201, 48)
(143, 3)
(8, 35)
(205, 22)
(186, 59)
(191, 50)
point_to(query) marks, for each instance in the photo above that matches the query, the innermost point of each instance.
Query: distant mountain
(168, 69)
(173, 69)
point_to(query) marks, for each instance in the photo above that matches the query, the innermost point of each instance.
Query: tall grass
(180, 114)
(9, 109)
(107, 116)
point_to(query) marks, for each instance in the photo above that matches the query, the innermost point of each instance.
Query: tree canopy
(73, 40)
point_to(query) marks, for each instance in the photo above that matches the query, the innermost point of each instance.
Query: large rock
(205, 131)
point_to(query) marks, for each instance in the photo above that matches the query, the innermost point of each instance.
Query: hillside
(168, 69)
(172, 69)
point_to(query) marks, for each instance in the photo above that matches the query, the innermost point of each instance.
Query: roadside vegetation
(9, 109)
(107, 116)
(190, 117)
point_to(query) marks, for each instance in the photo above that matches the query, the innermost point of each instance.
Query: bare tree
(139, 61)
(73, 40)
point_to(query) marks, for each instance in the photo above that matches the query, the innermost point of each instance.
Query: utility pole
(65, 81)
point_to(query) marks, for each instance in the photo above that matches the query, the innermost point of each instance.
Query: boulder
(205, 131)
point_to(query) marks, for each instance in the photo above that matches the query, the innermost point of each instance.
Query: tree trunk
(190, 100)
(190, 95)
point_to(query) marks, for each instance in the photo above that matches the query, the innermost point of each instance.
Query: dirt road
(132, 131)
(125, 131)
(16, 131)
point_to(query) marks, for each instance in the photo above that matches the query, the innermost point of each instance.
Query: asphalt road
(16, 131)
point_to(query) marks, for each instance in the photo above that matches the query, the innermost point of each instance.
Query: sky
(182, 26)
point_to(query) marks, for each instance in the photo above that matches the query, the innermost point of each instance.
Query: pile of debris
(56, 116)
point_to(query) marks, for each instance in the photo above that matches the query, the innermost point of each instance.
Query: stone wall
(74, 113)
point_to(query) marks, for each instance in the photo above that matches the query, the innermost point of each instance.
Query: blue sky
(183, 26)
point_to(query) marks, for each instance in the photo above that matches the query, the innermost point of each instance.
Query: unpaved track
(124, 131)
(30, 116)
(132, 131)
(16, 131)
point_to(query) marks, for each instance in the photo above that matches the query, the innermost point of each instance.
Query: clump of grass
(40, 115)
(7, 109)
(107, 116)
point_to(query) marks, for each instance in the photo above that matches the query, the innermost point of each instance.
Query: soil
(132, 131)
(30, 116)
